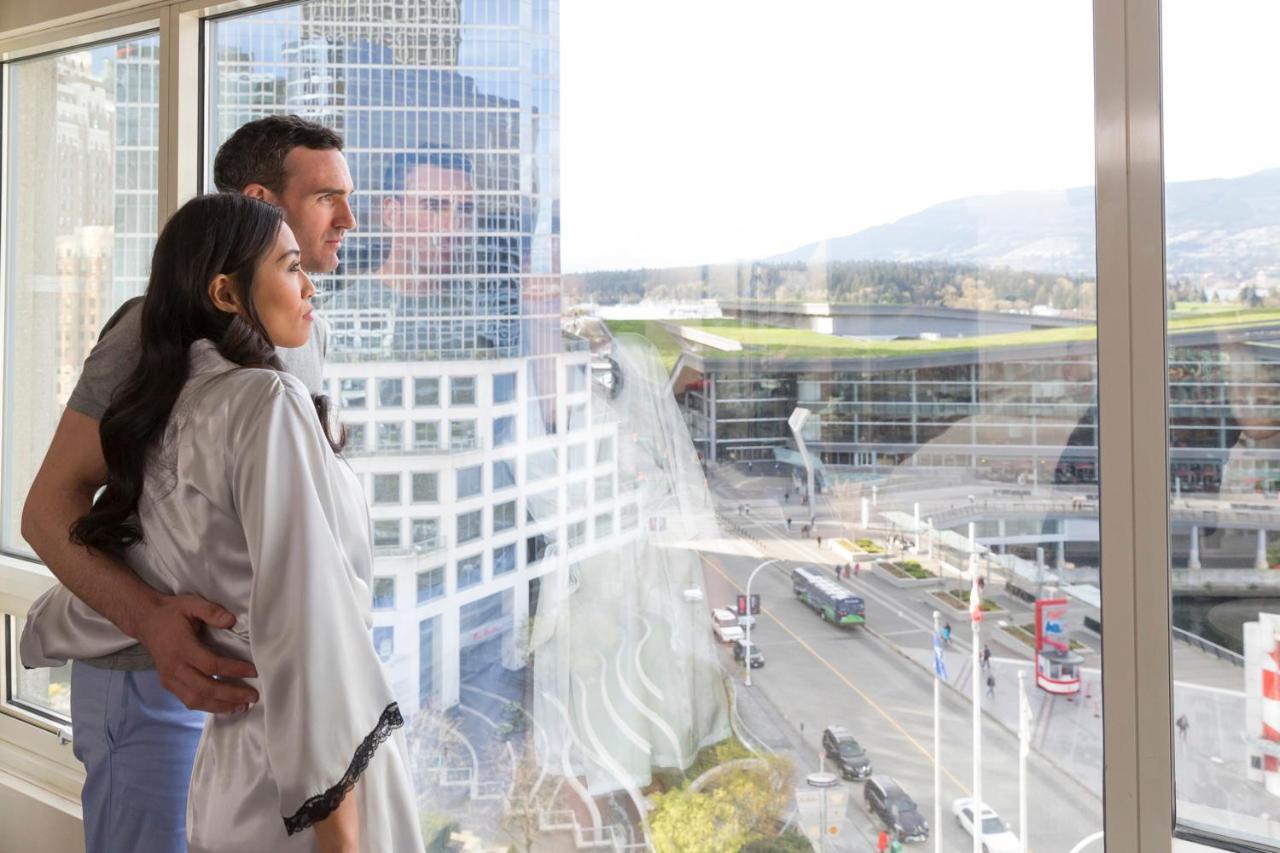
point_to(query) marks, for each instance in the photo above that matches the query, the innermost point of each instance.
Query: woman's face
(282, 292)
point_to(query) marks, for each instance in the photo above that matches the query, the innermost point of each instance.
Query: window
(386, 489)
(80, 229)
(462, 391)
(542, 506)
(470, 571)
(604, 450)
(504, 516)
(504, 559)
(470, 481)
(462, 435)
(575, 378)
(604, 487)
(390, 437)
(386, 533)
(426, 392)
(576, 495)
(430, 584)
(384, 642)
(504, 388)
(469, 526)
(390, 393)
(504, 430)
(577, 417)
(540, 465)
(357, 439)
(504, 474)
(577, 457)
(630, 517)
(426, 435)
(384, 593)
(352, 394)
(577, 533)
(604, 525)
(426, 487)
(539, 546)
(425, 533)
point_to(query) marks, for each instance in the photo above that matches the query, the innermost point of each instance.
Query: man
(137, 714)
(433, 280)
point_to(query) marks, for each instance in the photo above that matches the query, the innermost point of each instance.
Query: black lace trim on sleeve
(320, 806)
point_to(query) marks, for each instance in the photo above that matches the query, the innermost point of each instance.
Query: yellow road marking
(838, 674)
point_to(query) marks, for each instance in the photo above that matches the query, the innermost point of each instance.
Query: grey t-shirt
(113, 358)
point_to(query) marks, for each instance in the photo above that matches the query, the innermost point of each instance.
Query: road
(817, 674)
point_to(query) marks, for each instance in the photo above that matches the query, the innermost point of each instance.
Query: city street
(816, 675)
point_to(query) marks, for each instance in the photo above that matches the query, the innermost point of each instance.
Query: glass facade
(574, 479)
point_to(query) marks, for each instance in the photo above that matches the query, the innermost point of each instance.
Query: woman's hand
(340, 831)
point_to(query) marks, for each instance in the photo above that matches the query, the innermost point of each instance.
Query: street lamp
(751, 617)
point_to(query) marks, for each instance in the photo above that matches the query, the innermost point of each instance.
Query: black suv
(847, 753)
(740, 653)
(887, 801)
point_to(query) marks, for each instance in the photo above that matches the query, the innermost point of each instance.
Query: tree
(742, 806)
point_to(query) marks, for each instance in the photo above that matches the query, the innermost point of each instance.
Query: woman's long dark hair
(221, 234)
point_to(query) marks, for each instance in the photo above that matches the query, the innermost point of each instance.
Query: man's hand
(170, 630)
(169, 626)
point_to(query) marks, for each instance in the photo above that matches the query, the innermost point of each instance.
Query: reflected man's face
(432, 219)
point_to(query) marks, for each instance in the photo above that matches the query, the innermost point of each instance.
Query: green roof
(802, 343)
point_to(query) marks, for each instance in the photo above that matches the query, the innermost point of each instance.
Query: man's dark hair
(255, 153)
(401, 163)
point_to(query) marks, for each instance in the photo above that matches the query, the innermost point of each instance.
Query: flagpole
(975, 620)
(1024, 746)
(937, 734)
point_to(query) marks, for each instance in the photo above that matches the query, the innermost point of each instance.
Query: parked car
(846, 753)
(740, 653)
(996, 835)
(724, 623)
(886, 800)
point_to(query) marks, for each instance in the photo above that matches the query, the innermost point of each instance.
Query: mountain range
(1224, 229)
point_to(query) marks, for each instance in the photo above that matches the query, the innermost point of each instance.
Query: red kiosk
(1057, 667)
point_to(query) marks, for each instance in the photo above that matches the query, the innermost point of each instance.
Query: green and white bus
(833, 602)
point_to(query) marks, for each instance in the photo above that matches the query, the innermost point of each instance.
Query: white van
(725, 624)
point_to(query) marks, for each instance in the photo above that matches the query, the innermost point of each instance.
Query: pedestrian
(747, 510)
(819, 540)
(982, 583)
(786, 496)
(748, 466)
(946, 635)
(788, 524)
(882, 843)
(1183, 724)
(857, 569)
(991, 686)
(986, 656)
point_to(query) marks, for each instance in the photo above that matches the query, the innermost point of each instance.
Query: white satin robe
(246, 505)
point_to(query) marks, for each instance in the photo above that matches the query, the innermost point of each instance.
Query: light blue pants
(137, 743)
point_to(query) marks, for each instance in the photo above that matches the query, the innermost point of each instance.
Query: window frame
(1137, 724)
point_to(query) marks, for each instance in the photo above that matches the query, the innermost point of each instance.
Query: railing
(1211, 648)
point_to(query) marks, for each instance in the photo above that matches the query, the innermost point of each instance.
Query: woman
(223, 481)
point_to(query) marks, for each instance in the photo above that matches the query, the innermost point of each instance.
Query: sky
(700, 131)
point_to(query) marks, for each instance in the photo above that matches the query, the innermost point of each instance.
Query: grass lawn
(668, 345)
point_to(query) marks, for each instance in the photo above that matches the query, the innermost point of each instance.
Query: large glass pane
(941, 355)
(1222, 246)
(81, 172)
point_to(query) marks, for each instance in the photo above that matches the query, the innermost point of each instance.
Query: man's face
(433, 218)
(316, 204)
